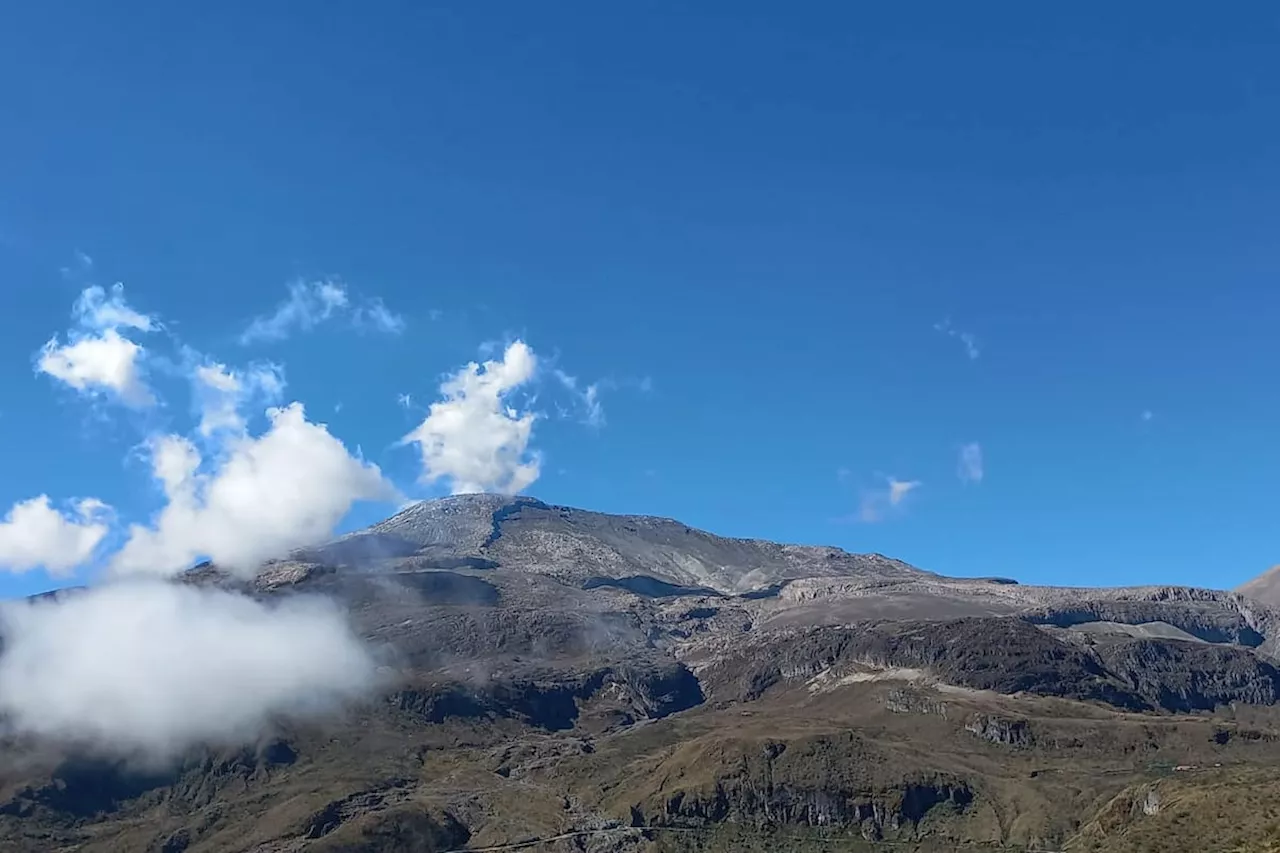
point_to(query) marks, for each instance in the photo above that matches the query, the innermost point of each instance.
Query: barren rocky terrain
(559, 680)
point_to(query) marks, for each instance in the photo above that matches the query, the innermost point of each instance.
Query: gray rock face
(778, 785)
(1001, 730)
(613, 695)
(904, 701)
(577, 545)
(1265, 587)
(1004, 655)
(1182, 676)
(1208, 621)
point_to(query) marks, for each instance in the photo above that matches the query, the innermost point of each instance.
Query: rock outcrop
(1009, 656)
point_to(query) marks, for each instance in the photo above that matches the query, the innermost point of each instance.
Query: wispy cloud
(311, 303)
(96, 309)
(899, 489)
(587, 400)
(308, 305)
(80, 268)
(222, 393)
(969, 468)
(375, 315)
(891, 497)
(968, 339)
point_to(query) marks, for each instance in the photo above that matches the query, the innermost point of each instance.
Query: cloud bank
(151, 668)
(143, 666)
(148, 667)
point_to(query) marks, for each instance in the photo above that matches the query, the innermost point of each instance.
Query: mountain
(578, 546)
(1265, 587)
(572, 680)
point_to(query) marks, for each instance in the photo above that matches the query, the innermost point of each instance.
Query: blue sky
(808, 258)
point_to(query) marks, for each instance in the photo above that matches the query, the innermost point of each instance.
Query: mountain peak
(582, 546)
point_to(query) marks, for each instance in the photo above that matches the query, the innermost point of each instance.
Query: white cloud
(92, 364)
(878, 503)
(595, 412)
(473, 437)
(81, 266)
(218, 390)
(587, 399)
(899, 489)
(311, 303)
(308, 304)
(217, 377)
(96, 358)
(969, 340)
(970, 466)
(148, 668)
(35, 535)
(145, 667)
(96, 310)
(282, 490)
(332, 295)
(174, 462)
(375, 315)
(222, 393)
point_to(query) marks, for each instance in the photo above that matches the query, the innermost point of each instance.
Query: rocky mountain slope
(569, 680)
(579, 546)
(1265, 587)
